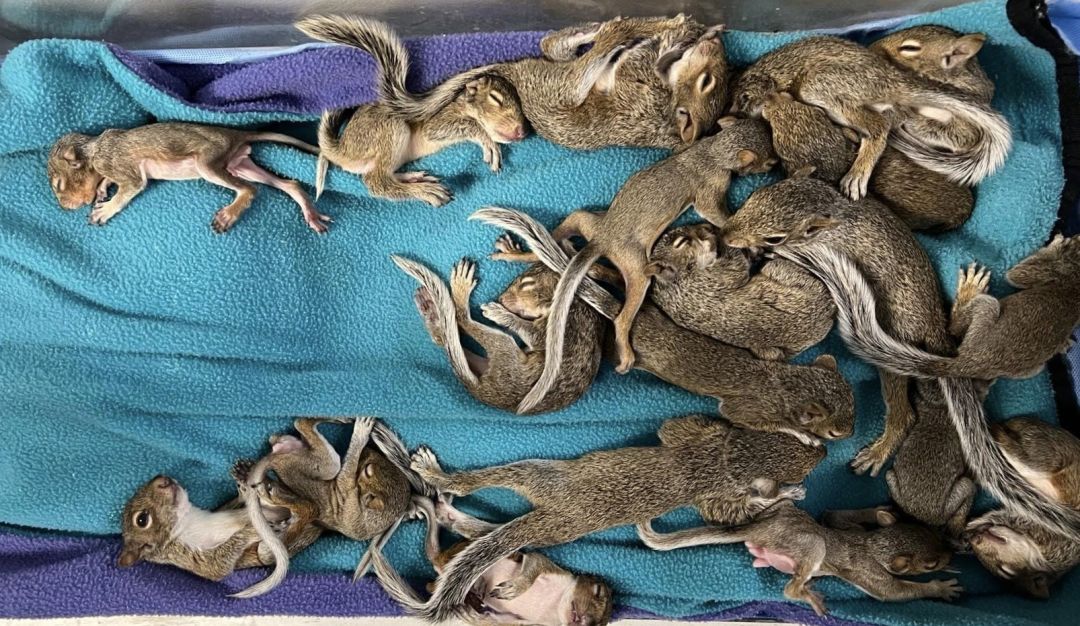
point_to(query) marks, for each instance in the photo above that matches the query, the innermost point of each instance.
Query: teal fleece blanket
(152, 345)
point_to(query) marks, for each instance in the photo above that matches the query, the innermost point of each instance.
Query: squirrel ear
(963, 49)
(819, 222)
(745, 157)
(900, 563)
(726, 121)
(885, 518)
(471, 88)
(1037, 585)
(71, 157)
(661, 271)
(803, 171)
(129, 556)
(826, 361)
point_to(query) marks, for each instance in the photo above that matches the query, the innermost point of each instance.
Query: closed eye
(496, 97)
(775, 240)
(680, 242)
(910, 48)
(706, 82)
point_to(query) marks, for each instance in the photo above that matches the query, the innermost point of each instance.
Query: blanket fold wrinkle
(151, 345)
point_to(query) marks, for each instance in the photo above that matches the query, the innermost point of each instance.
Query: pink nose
(519, 133)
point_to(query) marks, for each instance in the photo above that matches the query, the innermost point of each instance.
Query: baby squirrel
(807, 401)
(363, 495)
(1047, 456)
(1021, 551)
(798, 212)
(947, 57)
(161, 525)
(805, 137)
(819, 70)
(999, 337)
(561, 102)
(871, 560)
(525, 588)
(643, 208)
(696, 74)
(376, 141)
(82, 168)
(504, 375)
(928, 478)
(856, 311)
(706, 287)
(729, 474)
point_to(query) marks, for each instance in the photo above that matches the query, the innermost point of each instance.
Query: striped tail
(328, 143)
(969, 166)
(266, 535)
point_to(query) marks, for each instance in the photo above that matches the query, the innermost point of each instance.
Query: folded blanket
(152, 345)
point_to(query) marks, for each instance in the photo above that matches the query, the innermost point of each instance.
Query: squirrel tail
(993, 471)
(266, 535)
(462, 572)
(447, 317)
(547, 250)
(856, 315)
(558, 315)
(968, 166)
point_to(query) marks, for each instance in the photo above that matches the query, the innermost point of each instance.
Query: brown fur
(82, 168)
(1031, 558)
(870, 560)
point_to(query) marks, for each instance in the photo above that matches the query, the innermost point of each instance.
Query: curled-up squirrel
(856, 311)
(805, 137)
(1047, 456)
(376, 141)
(561, 99)
(928, 478)
(818, 71)
(504, 375)
(82, 168)
(788, 537)
(729, 474)
(807, 401)
(707, 287)
(161, 525)
(1022, 552)
(1000, 340)
(643, 208)
(798, 212)
(525, 588)
(944, 56)
(363, 496)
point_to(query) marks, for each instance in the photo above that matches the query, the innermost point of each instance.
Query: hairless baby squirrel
(870, 560)
(376, 141)
(818, 71)
(807, 401)
(525, 588)
(856, 312)
(504, 375)
(560, 98)
(82, 168)
(161, 525)
(708, 288)
(363, 496)
(729, 474)
(643, 208)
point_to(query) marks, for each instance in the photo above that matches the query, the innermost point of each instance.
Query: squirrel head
(383, 490)
(493, 102)
(149, 519)
(529, 295)
(698, 78)
(907, 549)
(687, 249)
(1056, 263)
(591, 604)
(743, 146)
(940, 54)
(1018, 551)
(791, 212)
(73, 181)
